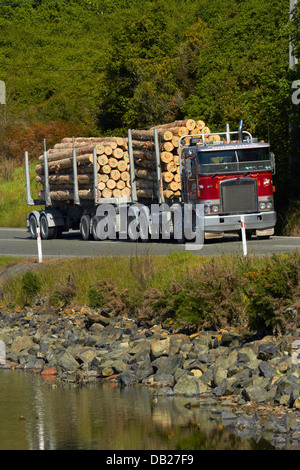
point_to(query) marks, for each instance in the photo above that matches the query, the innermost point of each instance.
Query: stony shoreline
(251, 384)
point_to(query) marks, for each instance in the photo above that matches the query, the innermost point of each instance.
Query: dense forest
(99, 67)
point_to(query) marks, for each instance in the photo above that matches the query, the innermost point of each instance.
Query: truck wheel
(138, 231)
(95, 221)
(47, 232)
(85, 227)
(33, 226)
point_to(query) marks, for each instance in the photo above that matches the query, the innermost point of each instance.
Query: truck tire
(47, 233)
(141, 231)
(85, 227)
(95, 221)
(33, 226)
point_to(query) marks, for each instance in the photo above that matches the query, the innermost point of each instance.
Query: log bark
(145, 184)
(68, 195)
(143, 145)
(66, 179)
(143, 154)
(145, 164)
(54, 155)
(145, 193)
(189, 123)
(144, 174)
(66, 163)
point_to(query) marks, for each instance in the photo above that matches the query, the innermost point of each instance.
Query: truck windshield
(230, 161)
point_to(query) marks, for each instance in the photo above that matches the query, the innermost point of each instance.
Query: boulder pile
(83, 346)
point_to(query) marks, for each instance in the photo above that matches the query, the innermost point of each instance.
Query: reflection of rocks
(206, 368)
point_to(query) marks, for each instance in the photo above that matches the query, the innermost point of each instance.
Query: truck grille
(238, 195)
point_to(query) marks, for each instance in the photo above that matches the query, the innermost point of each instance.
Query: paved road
(17, 242)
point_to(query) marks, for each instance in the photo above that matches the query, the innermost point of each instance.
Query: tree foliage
(109, 65)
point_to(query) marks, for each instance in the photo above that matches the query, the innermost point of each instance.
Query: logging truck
(215, 178)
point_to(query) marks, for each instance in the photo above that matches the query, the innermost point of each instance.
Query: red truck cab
(230, 173)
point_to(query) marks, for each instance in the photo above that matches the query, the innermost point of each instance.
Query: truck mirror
(188, 169)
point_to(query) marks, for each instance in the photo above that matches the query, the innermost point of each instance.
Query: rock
(163, 392)
(51, 372)
(267, 351)
(219, 374)
(160, 347)
(20, 343)
(67, 362)
(169, 366)
(257, 394)
(126, 378)
(266, 369)
(189, 386)
(197, 372)
(283, 364)
(107, 371)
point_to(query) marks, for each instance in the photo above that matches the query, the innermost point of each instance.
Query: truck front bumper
(232, 223)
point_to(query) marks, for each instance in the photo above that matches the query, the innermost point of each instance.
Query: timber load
(113, 164)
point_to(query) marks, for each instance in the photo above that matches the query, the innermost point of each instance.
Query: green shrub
(31, 286)
(208, 296)
(96, 298)
(271, 289)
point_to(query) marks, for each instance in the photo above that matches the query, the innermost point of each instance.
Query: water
(37, 414)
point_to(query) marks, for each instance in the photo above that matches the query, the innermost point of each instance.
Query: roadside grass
(9, 260)
(13, 206)
(181, 289)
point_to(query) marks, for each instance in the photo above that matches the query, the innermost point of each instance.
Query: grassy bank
(180, 289)
(13, 207)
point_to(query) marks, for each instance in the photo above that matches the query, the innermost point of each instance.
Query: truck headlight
(215, 208)
(262, 206)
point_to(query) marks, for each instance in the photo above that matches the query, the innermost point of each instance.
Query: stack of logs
(113, 164)
(143, 150)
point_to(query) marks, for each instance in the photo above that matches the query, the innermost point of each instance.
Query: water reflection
(35, 414)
